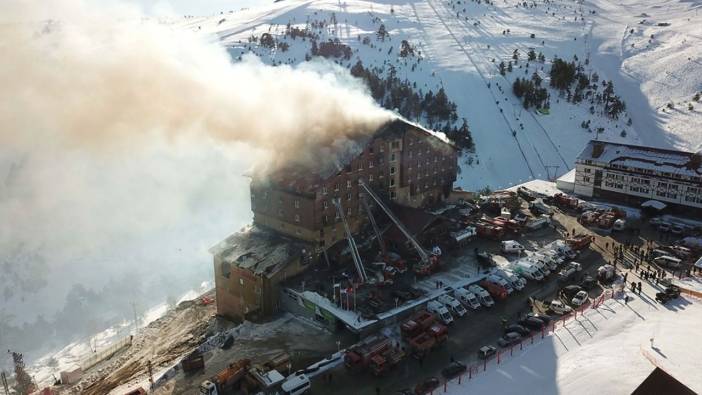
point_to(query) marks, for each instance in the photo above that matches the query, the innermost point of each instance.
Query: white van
(441, 311)
(296, 384)
(454, 306)
(494, 278)
(667, 261)
(516, 282)
(544, 259)
(511, 247)
(467, 298)
(540, 264)
(528, 270)
(483, 295)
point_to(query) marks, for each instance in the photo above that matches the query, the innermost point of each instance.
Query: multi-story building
(295, 217)
(401, 161)
(635, 174)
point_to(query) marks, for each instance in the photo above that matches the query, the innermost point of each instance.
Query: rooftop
(642, 157)
(258, 250)
(334, 158)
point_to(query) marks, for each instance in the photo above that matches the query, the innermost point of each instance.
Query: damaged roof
(334, 159)
(656, 159)
(260, 251)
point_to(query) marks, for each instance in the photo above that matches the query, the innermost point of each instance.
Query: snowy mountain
(458, 46)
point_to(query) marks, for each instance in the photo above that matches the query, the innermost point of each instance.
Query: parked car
(543, 318)
(517, 328)
(453, 370)
(486, 352)
(509, 339)
(427, 386)
(588, 283)
(579, 299)
(667, 261)
(669, 293)
(568, 292)
(559, 307)
(532, 323)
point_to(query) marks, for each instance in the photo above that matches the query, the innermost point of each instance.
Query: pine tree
(502, 68)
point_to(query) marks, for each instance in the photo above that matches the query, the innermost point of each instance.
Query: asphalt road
(466, 335)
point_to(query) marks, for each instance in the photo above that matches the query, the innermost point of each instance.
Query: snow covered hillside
(458, 45)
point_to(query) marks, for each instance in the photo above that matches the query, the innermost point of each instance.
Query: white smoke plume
(123, 142)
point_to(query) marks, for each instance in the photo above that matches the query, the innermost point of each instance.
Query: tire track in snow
(480, 73)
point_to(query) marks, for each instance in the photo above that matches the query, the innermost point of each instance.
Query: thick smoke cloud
(122, 148)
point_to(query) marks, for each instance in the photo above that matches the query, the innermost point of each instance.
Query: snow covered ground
(608, 351)
(461, 43)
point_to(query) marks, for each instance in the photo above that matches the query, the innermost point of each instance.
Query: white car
(579, 299)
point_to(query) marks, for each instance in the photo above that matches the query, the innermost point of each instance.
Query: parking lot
(478, 328)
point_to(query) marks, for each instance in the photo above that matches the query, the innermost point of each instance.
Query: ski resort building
(405, 163)
(636, 174)
(297, 211)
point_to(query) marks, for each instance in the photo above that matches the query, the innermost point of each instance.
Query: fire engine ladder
(352, 243)
(422, 253)
(364, 201)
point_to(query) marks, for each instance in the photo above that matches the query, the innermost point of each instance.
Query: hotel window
(325, 204)
(370, 164)
(336, 187)
(410, 154)
(280, 212)
(382, 148)
(348, 211)
(392, 182)
(324, 190)
(297, 218)
(348, 196)
(348, 184)
(395, 144)
(392, 170)
(325, 219)
(392, 157)
(370, 177)
(393, 195)
(297, 203)
(360, 165)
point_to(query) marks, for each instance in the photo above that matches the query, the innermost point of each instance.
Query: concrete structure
(634, 174)
(566, 182)
(249, 267)
(401, 161)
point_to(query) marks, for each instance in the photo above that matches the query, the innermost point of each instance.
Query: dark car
(517, 328)
(427, 386)
(569, 291)
(669, 293)
(509, 339)
(544, 318)
(402, 295)
(532, 323)
(588, 283)
(453, 370)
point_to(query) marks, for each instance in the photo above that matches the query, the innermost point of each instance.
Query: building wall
(412, 168)
(598, 180)
(246, 295)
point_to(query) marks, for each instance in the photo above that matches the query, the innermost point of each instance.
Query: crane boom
(422, 254)
(358, 263)
(374, 225)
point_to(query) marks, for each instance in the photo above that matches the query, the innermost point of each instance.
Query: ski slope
(462, 43)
